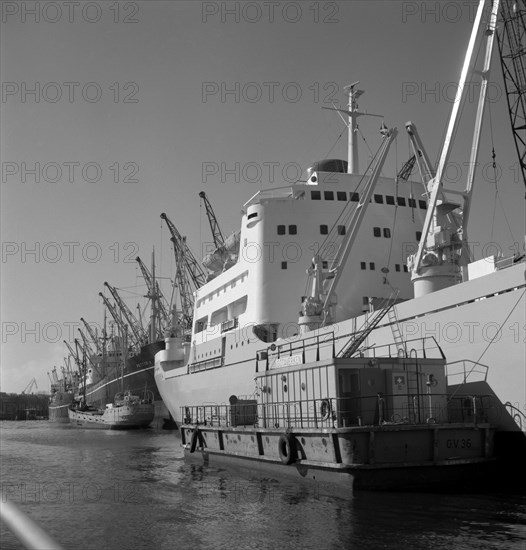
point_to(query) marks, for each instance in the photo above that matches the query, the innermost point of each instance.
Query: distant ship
(353, 234)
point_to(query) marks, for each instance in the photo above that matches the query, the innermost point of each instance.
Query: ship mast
(353, 114)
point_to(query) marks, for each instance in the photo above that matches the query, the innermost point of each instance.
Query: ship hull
(478, 324)
(328, 458)
(137, 378)
(125, 417)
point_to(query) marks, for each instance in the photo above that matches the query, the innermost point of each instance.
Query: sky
(114, 112)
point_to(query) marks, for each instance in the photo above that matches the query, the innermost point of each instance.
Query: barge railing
(345, 412)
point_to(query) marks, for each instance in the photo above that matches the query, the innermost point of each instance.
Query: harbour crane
(217, 235)
(94, 339)
(160, 305)
(123, 327)
(189, 274)
(28, 389)
(511, 36)
(136, 328)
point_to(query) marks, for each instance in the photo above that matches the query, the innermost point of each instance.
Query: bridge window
(378, 199)
(324, 229)
(401, 201)
(293, 229)
(412, 203)
(315, 195)
(363, 265)
(281, 230)
(283, 265)
(328, 195)
(354, 197)
(341, 230)
(405, 269)
(341, 195)
(387, 233)
(389, 199)
(418, 235)
(377, 232)
(422, 205)
(372, 266)
(200, 324)
(397, 267)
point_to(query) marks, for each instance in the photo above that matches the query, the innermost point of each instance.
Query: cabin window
(315, 195)
(281, 230)
(328, 195)
(238, 307)
(325, 265)
(378, 199)
(397, 267)
(293, 229)
(324, 229)
(389, 199)
(387, 233)
(219, 316)
(341, 230)
(371, 266)
(418, 235)
(253, 215)
(363, 265)
(354, 197)
(200, 324)
(411, 203)
(365, 300)
(283, 265)
(401, 201)
(422, 205)
(377, 232)
(341, 195)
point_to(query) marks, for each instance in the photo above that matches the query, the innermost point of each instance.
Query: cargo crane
(29, 387)
(219, 241)
(138, 332)
(88, 351)
(316, 310)
(193, 268)
(93, 336)
(160, 306)
(511, 37)
(442, 250)
(226, 251)
(188, 273)
(123, 327)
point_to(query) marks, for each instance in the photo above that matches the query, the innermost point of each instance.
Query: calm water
(133, 490)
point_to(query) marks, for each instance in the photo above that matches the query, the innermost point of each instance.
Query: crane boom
(93, 336)
(183, 252)
(29, 387)
(511, 36)
(137, 330)
(316, 308)
(217, 235)
(154, 293)
(114, 313)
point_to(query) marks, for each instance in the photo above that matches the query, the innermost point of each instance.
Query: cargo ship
(384, 266)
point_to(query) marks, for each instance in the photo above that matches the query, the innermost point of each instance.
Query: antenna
(352, 152)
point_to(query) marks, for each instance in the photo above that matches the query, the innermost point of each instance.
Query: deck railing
(373, 410)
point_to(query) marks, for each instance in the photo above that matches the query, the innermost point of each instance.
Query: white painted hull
(463, 319)
(123, 417)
